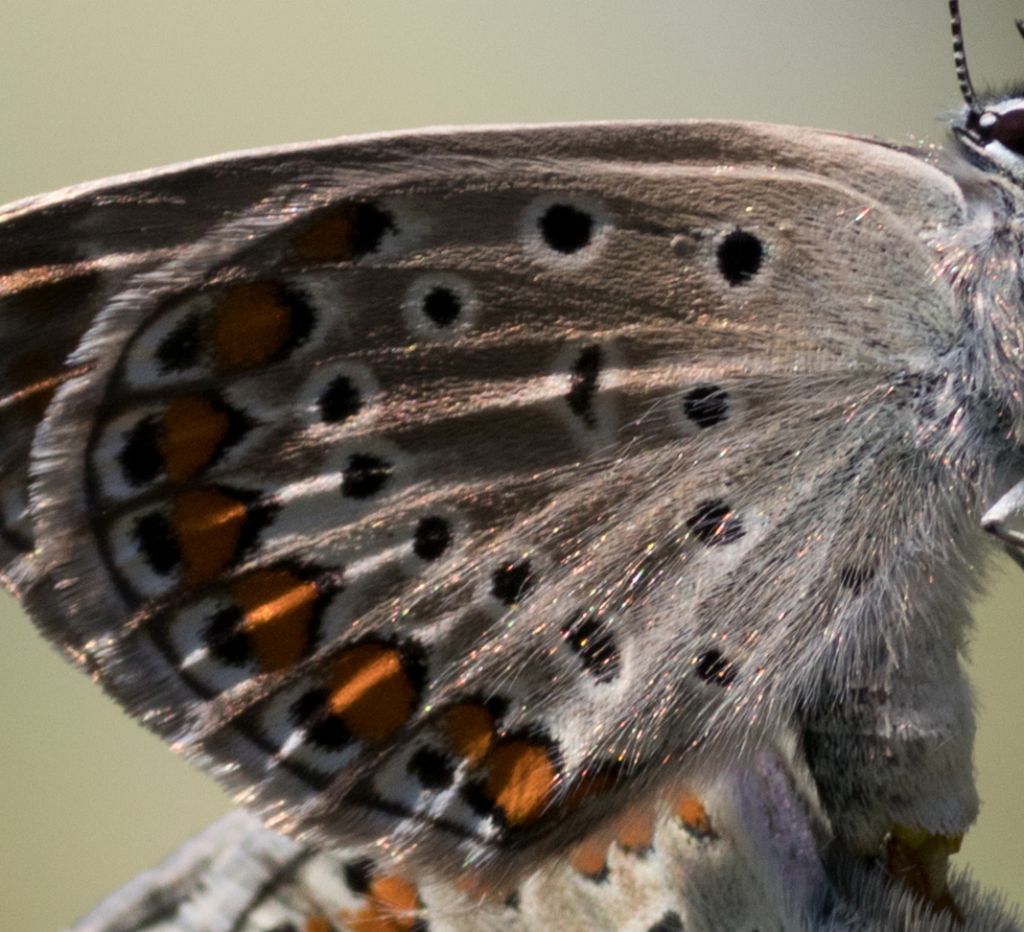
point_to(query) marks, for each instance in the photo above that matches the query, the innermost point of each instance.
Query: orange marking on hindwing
(392, 905)
(193, 430)
(691, 812)
(371, 691)
(590, 857)
(316, 924)
(251, 324)
(632, 830)
(208, 524)
(521, 779)
(470, 731)
(635, 830)
(278, 609)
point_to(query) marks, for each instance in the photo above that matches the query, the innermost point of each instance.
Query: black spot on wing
(740, 256)
(583, 384)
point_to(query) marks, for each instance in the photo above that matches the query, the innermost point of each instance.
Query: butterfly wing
(63, 256)
(453, 488)
(703, 871)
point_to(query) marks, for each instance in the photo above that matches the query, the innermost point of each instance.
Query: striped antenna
(963, 76)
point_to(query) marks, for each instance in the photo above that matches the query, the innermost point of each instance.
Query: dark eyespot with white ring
(560, 229)
(740, 256)
(440, 305)
(566, 228)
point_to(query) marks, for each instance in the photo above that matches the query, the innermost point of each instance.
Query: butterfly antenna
(963, 76)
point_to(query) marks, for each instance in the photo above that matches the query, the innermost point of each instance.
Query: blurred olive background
(87, 798)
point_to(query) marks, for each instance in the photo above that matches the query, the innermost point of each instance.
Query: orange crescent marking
(192, 431)
(371, 691)
(691, 812)
(329, 238)
(635, 831)
(251, 324)
(470, 731)
(521, 779)
(278, 610)
(208, 524)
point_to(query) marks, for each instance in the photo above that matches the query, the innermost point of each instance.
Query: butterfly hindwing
(741, 857)
(402, 488)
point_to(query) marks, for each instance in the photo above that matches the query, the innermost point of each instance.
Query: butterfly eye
(1005, 128)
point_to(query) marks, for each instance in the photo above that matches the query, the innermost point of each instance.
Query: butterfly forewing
(448, 485)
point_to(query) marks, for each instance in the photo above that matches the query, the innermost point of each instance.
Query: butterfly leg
(995, 522)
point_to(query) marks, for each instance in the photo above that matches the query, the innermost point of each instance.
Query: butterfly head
(994, 132)
(991, 130)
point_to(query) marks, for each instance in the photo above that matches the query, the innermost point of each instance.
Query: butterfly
(560, 237)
